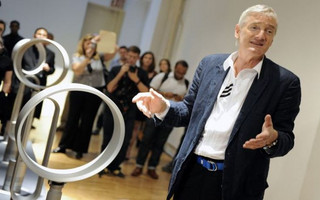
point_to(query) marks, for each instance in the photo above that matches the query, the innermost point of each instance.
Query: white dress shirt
(230, 99)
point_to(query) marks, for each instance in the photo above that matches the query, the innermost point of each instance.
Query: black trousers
(129, 117)
(154, 139)
(198, 183)
(83, 108)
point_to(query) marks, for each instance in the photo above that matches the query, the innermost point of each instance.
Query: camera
(132, 68)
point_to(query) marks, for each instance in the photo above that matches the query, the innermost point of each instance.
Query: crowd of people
(128, 74)
(30, 59)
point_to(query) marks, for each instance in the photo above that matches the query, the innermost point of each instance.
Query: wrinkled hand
(150, 102)
(266, 137)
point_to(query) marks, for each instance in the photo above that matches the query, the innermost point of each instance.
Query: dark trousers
(7, 104)
(153, 140)
(83, 108)
(129, 117)
(198, 183)
(100, 121)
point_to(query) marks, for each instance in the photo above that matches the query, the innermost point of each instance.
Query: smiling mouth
(257, 44)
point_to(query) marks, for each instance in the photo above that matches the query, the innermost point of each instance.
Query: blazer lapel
(217, 75)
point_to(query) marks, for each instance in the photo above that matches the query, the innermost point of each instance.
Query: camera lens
(132, 68)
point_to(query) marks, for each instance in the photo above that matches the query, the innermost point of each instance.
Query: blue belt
(210, 165)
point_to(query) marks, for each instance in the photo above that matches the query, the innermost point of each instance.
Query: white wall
(133, 25)
(208, 27)
(62, 18)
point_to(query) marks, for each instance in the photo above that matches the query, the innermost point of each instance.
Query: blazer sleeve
(283, 120)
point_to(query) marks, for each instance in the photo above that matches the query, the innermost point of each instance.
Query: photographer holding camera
(124, 82)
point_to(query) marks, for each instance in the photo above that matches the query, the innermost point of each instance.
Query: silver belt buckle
(214, 166)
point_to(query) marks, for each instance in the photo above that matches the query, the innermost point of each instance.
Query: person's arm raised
(113, 85)
(135, 78)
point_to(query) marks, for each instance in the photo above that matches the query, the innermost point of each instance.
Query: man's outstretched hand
(265, 138)
(150, 102)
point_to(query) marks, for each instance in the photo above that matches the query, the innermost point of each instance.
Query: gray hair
(263, 9)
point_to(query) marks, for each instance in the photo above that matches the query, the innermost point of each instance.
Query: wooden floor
(106, 187)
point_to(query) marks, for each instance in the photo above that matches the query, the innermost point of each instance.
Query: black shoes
(59, 150)
(79, 155)
(117, 173)
(101, 173)
(107, 172)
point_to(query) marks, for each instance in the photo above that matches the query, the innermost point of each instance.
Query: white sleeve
(156, 81)
(163, 114)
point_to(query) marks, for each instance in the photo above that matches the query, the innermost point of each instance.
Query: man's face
(123, 53)
(41, 34)
(1, 29)
(256, 34)
(179, 72)
(132, 58)
(14, 27)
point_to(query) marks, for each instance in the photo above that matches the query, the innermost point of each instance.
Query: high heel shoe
(59, 150)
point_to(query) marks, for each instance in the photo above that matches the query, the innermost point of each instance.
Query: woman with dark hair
(88, 67)
(148, 64)
(164, 65)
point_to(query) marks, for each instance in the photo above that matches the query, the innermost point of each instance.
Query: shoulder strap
(105, 70)
(165, 77)
(187, 83)
(102, 61)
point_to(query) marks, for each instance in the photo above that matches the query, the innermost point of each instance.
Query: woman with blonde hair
(88, 68)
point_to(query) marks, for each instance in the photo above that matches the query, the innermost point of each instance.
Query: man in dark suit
(30, 62)
(124, 82)
(11, 39)
(231, 136)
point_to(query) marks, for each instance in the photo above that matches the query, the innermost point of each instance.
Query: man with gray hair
(231, 136)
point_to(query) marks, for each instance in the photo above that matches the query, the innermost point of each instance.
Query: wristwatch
(269, 148)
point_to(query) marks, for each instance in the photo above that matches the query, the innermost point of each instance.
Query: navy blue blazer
(277, 92)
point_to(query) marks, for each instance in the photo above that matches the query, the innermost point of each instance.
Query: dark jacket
(277, 92)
